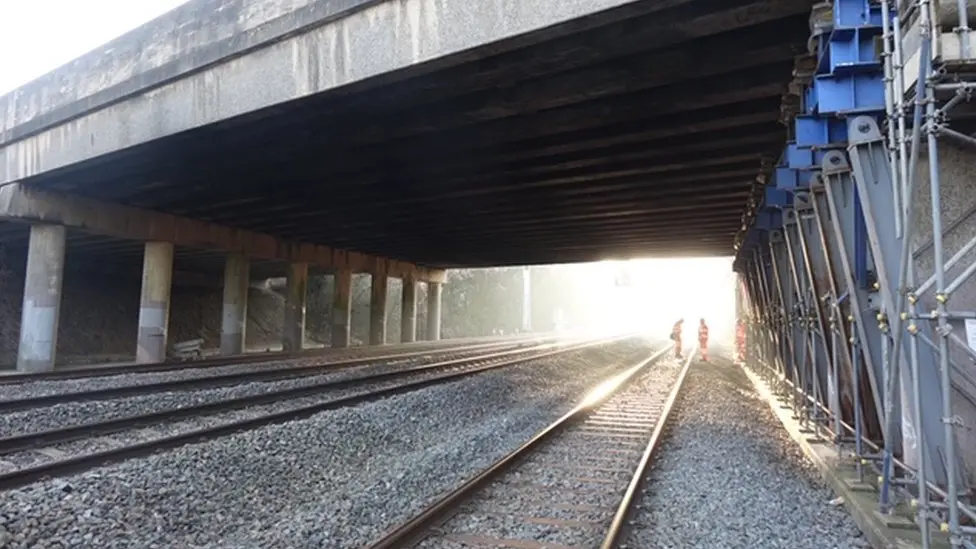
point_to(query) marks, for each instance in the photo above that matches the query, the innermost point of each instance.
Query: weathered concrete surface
(435, 292)
(408, 309)
(98, 315)
(296, 294)
(233, 323)
(304, 51)
(958, 199)
(341, 308)
(42, 299)
(20, 203)
(379, 290)
(157, 287)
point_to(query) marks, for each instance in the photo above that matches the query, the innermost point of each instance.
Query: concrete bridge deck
(442, 133)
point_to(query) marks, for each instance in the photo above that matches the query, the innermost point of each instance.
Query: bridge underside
(644, 136)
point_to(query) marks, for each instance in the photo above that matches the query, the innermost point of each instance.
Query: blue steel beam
(875, 184)
(833, 272)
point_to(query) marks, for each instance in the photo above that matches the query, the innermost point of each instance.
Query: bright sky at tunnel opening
(644, 296)
(648, 295)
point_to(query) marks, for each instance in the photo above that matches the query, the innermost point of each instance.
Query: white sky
(37, 36)
(660, 292)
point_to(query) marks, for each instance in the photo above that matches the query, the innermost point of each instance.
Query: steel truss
(840, 319)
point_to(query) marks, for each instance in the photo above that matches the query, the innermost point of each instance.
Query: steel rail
(232, 378)
(107, 370)
(412, 531)
(629, 503)
(84, 462)
(19, 443)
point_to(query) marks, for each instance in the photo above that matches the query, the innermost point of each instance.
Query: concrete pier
(408, 324)
(233, 323)
(293, 328)
(377, 309)
(342, 308)
(42, 299)
(157, 279)
(434, 292)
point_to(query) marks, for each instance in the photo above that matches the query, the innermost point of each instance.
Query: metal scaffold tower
(853, 313)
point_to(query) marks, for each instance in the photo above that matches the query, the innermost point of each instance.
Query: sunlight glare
(646, 296)
(602, 390)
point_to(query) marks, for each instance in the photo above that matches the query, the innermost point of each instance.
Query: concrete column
(377, 309)
(408, 324)
(526, 299)
(157, 279)
(233, 322)
(293, 329)
(342, 308)
(42, 299)
(434, 291)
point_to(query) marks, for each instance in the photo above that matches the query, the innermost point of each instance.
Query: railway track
(574, 484)
(308, 401)
(338, 355)
(277, 371)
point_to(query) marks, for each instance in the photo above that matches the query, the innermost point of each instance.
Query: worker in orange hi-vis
(703, 339)
(676, 337)
(740, 337)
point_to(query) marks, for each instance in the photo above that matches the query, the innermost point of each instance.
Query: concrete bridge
(233, 139)
(395, 137)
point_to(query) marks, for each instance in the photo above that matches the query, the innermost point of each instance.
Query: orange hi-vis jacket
(702, 333)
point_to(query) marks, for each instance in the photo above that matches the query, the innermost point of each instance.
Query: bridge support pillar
(408, 323)
(233, 322)
(157, 278)
(377, 308)
(293, 329)
(434, 291)
(42, 299)
(342, 308)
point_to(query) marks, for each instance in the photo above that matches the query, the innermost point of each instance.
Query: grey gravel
(337, 479)
(76, 413)
(729, 476)
(54, 387)
(30, 458)
(568, 489)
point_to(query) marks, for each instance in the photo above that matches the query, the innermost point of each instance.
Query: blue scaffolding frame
(826, 261)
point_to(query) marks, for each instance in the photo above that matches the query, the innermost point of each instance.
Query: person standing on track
(740, 340)
(676, 337)
(703, 339)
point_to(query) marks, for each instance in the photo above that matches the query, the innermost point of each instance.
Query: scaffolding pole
(829, 259)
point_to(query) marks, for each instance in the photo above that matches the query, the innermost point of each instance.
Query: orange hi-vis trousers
(703, 343)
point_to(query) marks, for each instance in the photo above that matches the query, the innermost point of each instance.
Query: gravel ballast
(338, 479)
(76, 413)
(374, 360)
(729, 475)
(567, 489)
